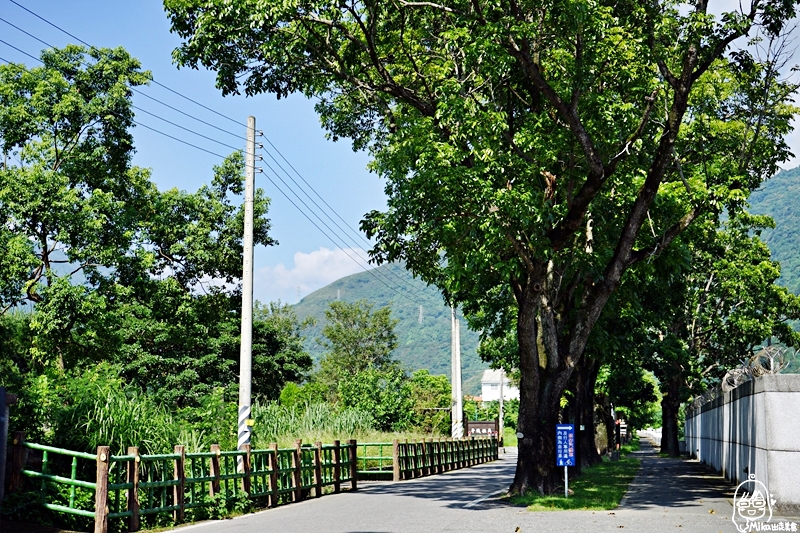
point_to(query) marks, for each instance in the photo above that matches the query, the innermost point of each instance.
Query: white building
(490, 386)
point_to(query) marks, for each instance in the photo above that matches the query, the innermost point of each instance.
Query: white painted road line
(484, 498)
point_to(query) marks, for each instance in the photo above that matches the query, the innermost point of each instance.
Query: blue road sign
(565, 445)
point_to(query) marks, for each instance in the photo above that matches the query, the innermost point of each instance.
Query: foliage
(356, 339)
(532, 152)
(475, 410)
(634, 393)
(386, 394)
(431, 396)
(279, 356)
(213, 421)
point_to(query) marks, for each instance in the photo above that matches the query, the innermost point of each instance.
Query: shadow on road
(669, 482)
(453, 489)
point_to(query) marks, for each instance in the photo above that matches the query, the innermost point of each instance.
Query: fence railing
(434, 456)
(133, 486)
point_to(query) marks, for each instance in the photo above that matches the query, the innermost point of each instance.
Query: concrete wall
(753, 429)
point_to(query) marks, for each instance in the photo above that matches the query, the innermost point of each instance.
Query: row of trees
(547, 164)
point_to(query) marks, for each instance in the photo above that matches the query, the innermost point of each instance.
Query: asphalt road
(667, 495)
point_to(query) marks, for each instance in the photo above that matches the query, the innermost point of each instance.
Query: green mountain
(777, 198)
(423, 330)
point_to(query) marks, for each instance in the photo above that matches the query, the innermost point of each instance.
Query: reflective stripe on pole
(246, 352)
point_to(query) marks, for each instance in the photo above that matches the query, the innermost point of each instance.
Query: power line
(21, 51)
(179, 140)
(371, 272)
(185, 128)
(338, 236)
(184, 113)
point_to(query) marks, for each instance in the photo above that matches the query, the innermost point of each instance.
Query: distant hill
(778, 198)
(423, 343)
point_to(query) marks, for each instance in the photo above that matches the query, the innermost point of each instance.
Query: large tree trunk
(584, 408)
(543, 379)
(603, 412)
(670, 404)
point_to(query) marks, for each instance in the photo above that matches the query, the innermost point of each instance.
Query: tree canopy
(533, 151)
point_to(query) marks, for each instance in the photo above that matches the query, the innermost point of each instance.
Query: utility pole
(246, 352)
(457, 409)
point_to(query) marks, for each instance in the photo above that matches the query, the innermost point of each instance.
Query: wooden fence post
(297, 474)
(419, 458)
(274, 464)
(247, 468)
(337, 466)
(101, 491)
(352, 451)
(317, 469)
(18, 457)
(435, 456)
(395, 460)
(429, 455)
(133, 492)
(213, 487)
(178, 495)
(471, 448)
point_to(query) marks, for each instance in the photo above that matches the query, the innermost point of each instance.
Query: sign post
(565, 450)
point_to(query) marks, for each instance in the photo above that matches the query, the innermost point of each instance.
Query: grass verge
(599, 488)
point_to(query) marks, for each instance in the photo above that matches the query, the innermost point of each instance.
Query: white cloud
(310, 272)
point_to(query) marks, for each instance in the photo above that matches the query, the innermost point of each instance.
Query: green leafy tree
(112, 268)
(355, 339)
(533, 152)
(278, 353)
(384, 393)
(69, 199)
(713, 317)
(431, 396)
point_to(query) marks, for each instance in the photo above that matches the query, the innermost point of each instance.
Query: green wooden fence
(132, 486)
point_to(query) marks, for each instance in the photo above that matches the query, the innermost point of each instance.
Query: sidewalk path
(667, 495)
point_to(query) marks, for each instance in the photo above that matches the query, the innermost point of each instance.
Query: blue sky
(306, 259)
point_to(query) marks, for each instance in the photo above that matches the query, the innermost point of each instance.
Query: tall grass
(119, 419)
(319, 421)
(98, 409)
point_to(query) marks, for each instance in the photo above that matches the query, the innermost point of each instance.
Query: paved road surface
(667, 495)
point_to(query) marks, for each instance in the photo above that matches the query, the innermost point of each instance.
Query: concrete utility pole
(457, 417)
(246, 352)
